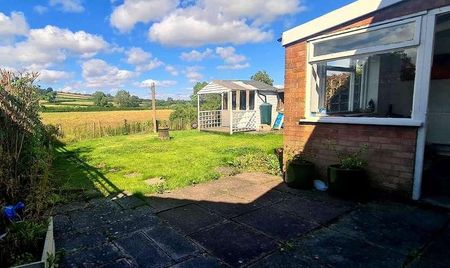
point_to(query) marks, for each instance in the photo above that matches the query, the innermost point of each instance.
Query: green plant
(260, 161)
(23, 243)
(352, 160)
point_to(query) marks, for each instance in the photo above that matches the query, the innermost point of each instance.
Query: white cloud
(195, 55)
(192, 74)
(14, 25)
(74, 6)
(260, 11)
(158, 83)
(171, 70)
(99, 74)
(183, 30)
(136, 56)
(125, 16)
(144, 61)
(52, 76)
(231, 59)
(221, 21)
(47, 46)
(40, 9)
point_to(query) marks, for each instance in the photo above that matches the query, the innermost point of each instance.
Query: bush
(25, 154)
(185, 113)
(262, 162)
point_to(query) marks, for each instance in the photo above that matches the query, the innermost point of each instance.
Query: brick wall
(391, 149)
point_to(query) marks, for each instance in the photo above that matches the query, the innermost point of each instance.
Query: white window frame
(417, 114)
(368, 50)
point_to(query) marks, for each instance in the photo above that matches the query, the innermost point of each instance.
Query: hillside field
(81, 102)
(81, 125)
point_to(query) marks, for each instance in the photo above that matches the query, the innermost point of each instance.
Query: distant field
(82, 125)
(68, 100)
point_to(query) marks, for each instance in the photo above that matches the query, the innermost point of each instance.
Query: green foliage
(186, 113)
(25, 161)
(100, 99)
(207, 102)
(352, 160)
(50, 97)
(260, 161)
(124, 99)
(262, 76)
(196, 89)
(23, 243)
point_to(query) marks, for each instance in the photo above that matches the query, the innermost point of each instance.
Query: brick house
(373, 72)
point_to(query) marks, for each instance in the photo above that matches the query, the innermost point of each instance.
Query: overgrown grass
(123, 163)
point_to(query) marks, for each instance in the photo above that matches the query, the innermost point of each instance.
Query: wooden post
(154, 106)
(198, 112)
(230, 110)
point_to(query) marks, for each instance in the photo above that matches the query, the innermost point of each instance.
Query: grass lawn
(124, 162)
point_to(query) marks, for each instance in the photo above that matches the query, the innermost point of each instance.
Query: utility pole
(154, 106)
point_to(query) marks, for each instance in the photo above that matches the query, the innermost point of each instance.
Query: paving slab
(190, 218)
(376, 224)
(200, 262)
(95, 257)
(277, 223)
(143, 251)
(437, 253)
(326, 248)
(129, 202)
(171, 242)
(313, 210)
(131, 221)
(73, 241)
(235, 244)
(163, 202)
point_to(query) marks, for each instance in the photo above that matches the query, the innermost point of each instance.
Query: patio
(253, 220)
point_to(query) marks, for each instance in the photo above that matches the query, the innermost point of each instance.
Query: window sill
(407, 122)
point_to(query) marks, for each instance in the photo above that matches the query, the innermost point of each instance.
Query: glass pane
(233, 100)
(385, 36)
(243, 100)
(378, 85)
(225, 101)
(251, 101)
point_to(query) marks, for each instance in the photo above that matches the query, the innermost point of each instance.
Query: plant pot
(48, 252)
(299, 174)
(347, 183)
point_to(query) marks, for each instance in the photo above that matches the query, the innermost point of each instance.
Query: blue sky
(84, 46)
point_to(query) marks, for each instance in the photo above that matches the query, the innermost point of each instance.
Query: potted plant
(348, 179)
(299, 172)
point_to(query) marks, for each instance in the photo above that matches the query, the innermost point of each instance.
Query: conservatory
(234, 106)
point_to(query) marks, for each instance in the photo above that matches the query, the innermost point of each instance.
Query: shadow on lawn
(77, 176)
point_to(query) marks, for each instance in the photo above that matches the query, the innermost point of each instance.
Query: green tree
(50, 96)
(197, 87)
(124, 99)
(262, 76)
(208, 101)
(100, 99)
(186, 112)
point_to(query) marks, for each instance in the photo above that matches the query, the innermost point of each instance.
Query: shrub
(262, 162)
(184, 112)
(25, 159)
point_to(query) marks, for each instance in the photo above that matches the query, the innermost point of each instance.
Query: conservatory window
(225, 101)
(233, 100)
(242, 100)
(251, 101)
(379, 83)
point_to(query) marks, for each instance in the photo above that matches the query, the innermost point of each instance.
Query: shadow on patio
(250, 219)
